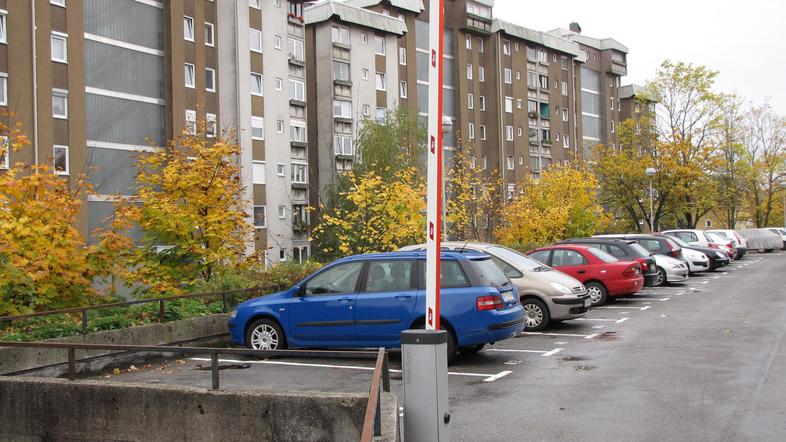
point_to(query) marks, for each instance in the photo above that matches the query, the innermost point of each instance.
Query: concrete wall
(18, 359)
(56, 409)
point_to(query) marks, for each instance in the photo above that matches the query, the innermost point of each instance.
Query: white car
(697, 261)
(780, 231)
(740, 242)
(670, 270)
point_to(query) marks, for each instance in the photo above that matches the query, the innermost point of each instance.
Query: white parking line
(621, 320)
(613, 307)
(574, 335)
(488, 377)
(602, 320)
(646, 307)
(513, 350)
(664, 299)
(552, 352)
(641, 300)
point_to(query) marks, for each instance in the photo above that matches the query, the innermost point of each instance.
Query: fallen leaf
(116, 371)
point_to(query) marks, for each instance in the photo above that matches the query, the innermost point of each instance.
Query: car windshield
(721, 233)
(603, 256)
(679, 242)
(489, 273)
(640, 251)
(523, 262)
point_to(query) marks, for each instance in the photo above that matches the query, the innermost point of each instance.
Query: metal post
(84, 322)
(224, 300)
(214, 369)
(652, 215)
(161, 311)
(385, 374)
(378, 415)
(424, 358)
(71, 364)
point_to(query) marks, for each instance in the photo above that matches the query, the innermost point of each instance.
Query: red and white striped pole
(434, 196)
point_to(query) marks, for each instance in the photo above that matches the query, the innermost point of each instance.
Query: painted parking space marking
(487, 377)
(513, 350)
(646, 307)
(571, 335)
(642, 300)
(618, 321)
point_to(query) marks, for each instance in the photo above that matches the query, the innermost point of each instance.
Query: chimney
(574, 27)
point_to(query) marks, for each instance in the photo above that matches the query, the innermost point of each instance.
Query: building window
(506, 47)
(381, 81)
(260, 217)
(511, 191)
(483, 134)
(480, 44)
(342, 145)
(473, 162)
(469, 41)
(482, 103)
(5, 153)
(509, 133)
(364, 38)
(258, 172)
(209, 34)
(611, 103)
(211, 125)
(299, 173)
(277, 42)
(379, 45)
(280, 169)
(279, 126)
(532, 106)
(470, 101)
(508, 76)
(254, 4)
(297, 131)
(564, 114)
(510, 162)
(565, 141)
(521, 160)
(255, 40)
(556, 136)
(3, 89)
(297, 90)
(519, 132)
(210, 79)
(402, 56)
(471, 131)
(565, 88)
(544, 82)
(256, 84)
(381, 115)
(563, 62)
(481, 74)
(3, 34)
(257, 128)
(342, 109)
(364, 73)
(60, 159)
(637, 107)
(340, 35)
(188, 28)
(484, 164)
(59, 103)
(279, 83)
(612, 127)
(282, 212)
(518, 75)
(58, 2)
(296, 49)
(469, 71)
(341, 71)
(191, 122)
(402, 89)
(59, 43)
(190, 78)
(509, 104)
(519, 103)
(366, 110)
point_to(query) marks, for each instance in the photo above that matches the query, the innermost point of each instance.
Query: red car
(602, 274)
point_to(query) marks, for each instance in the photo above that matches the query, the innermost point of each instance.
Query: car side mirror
(300, 290)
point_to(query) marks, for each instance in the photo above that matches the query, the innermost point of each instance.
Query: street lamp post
(650, 172)
(783, 188)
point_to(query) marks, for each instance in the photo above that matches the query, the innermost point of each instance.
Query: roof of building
(327, 9)
(630, 90)
(548, 40)
(597, 43)
(415, 6)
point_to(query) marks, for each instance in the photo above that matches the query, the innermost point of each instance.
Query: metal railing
(372, 424)
(161, 306)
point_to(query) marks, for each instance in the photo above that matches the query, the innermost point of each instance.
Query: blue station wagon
(368, 300)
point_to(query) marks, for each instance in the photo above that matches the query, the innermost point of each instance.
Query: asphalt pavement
(701, 360)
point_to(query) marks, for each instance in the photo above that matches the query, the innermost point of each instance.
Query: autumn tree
(473, 197)
(561, 204)
(190, 208)
(766, 154)
(44, 261)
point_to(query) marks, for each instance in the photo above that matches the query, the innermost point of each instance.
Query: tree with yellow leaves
(190, 208)
(44, 261)
(561, 204)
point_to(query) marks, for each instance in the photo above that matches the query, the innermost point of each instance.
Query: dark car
(624, 250)
(717, 258)
(656, 244)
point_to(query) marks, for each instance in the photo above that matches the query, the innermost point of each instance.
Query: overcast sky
(744, 41)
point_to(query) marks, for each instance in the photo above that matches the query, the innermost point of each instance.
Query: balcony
(296, 143)
(347, 83)
(617, 69)
(296, 61)
(296, 102)
(478, 24)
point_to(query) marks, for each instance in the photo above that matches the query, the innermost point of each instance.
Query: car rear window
(451, 274)
(640, 251)
(490, 274)
(603, 256)
(522, 261)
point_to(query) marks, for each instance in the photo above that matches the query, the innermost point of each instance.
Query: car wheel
(471, 350)
(536, 314)
(265, 334)
(451, 345)
(597, 292)
(661, 280)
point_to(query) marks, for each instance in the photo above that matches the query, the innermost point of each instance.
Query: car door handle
(581, 272)
(344, 299)
(403, 297)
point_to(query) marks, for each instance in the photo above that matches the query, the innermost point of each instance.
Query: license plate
(507, 296)
(587, 302)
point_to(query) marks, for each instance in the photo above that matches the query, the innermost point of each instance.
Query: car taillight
(491, 302)
(643, 262)
(675, 253)
(632, 271)
(712, 245)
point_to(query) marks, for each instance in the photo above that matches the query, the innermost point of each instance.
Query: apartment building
(604, 65)
(353, 71)
(95, 82)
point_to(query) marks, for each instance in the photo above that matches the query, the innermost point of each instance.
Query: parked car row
(488, 292)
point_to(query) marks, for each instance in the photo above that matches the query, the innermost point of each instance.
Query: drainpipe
(35, 84)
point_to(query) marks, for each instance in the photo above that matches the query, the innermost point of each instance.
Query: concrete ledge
(57, 409)
(13, 360)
